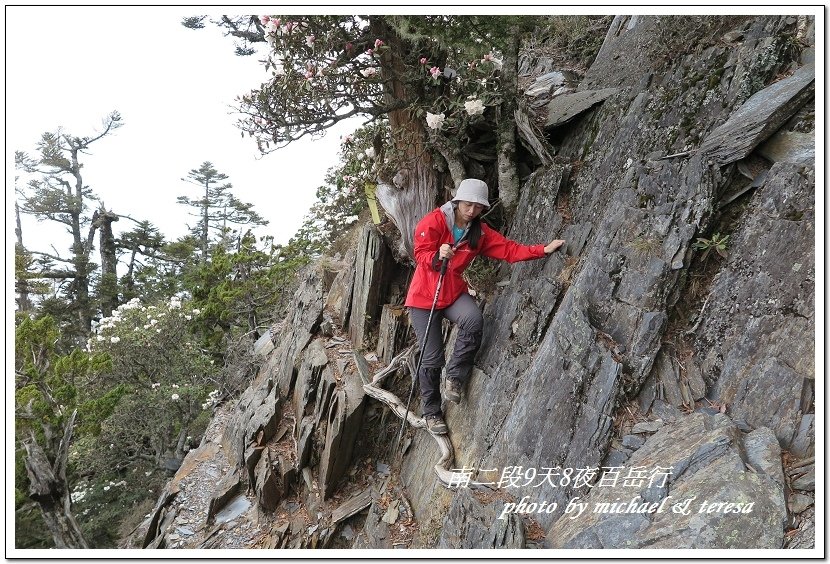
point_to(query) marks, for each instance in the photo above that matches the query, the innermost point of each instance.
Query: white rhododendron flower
(370, 72)
(174, 397)
(435, 121)
(474, 107)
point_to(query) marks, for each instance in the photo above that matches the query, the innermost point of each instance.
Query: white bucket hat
(472, 190)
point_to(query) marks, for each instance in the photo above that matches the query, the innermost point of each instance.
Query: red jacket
(433, 231)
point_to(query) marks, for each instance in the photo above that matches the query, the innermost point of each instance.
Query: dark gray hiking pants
(463, 312)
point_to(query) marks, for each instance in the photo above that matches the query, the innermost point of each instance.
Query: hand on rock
(554, 245)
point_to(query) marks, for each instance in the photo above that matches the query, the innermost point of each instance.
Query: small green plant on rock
(717, 242)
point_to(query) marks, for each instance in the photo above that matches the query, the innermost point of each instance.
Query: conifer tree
(216, 208)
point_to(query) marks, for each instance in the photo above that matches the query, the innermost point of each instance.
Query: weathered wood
(446, 477)
(48, 487)
(407, 205)
(402, 358)
(528, 134)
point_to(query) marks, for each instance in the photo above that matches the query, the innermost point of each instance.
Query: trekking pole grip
(444, 266)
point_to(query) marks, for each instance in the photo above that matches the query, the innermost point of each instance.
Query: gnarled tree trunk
(411, 194)
(48, 487)
(109, 261)
(508, 177)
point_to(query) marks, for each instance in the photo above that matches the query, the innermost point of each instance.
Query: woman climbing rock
(453, 235)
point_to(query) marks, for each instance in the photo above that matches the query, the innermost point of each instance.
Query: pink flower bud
(378, 43)
(423, 60)
(369, 51)
(264, 19)
(435, 72)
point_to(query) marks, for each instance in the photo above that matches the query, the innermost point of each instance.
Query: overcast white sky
(71, 66)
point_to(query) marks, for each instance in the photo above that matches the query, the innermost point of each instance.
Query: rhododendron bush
(327, 68)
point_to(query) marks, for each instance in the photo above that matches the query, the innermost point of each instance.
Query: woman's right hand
(445, 251)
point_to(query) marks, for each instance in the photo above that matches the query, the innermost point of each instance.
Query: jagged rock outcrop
(628, 350)
(724, 489)
(373, 261)
(571, 337)
(472, 524)
(755, 343)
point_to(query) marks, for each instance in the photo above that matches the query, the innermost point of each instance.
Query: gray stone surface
(756, 342)
(633, 442)
(706, 454)
(471, 524)
(763, 454)
(547, 82)
(264, 344)
(295, 332)
(804, 479)
(572, 337)
(224, 491)
(268, 491)
(373, 261)
(761, 116)
(565, 107)
(311, 374)
(647, 427)
(799, 502)
(569, 336)
(253, 419)
(345, 417)
(790, 147)
(805, 537)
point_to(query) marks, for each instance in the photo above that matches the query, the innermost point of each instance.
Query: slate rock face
(756, 343)
(296, 331)
(712, 464)
(569, 337)
(472, 524)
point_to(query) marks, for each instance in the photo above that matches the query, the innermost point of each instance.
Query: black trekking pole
(426, 337)
(421, 353)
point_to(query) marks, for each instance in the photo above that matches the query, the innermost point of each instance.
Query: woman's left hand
(553, 246)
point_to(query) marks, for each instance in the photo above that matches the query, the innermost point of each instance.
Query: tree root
(443, 469)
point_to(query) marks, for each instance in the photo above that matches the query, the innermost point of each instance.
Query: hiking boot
(452, 390)
(436, 425)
